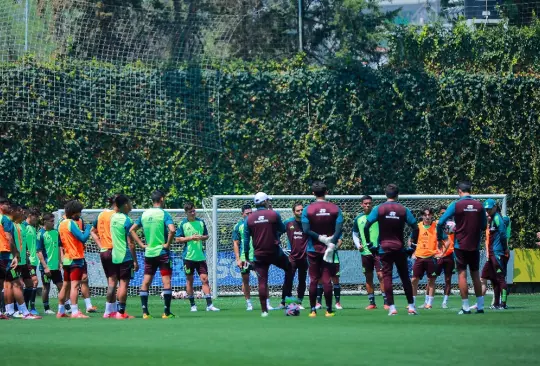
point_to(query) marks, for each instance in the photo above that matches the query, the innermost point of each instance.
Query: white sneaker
(17, 315)
(338, 306)
(249, 307)
(211, 308)
(281, 307)
(473, 306)
(194, 309)
(444, 305)
(318, 306)
(270, 307)
(421, 307)
(301, 307)
(50, 312)
(264, 314)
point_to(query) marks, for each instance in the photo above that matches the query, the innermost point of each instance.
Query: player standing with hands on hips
(470, 218)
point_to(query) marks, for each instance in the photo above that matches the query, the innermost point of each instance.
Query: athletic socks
(121, 307)
(109, 308)
(465, 304)
(479, 302)
(46, 306)
(208, 298)
(27, 294)
(248, 301)
(337, 292)
(426, 300)
(430, 300)
(167, 297)
(10, 308)
(384, 299)
(144, 301)
(67, 304)
(61, 308)
(414, 299)
(74, 309)
(371, 298)
(88, 303)
(33, 299)
(319, 293)
(23, 309)
(191, 300)
(445, 299)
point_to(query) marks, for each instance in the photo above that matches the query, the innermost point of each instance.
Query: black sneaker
(480, 311)
(503, 307)
(465, 312)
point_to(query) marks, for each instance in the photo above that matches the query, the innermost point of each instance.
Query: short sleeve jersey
(298, 240)
(392, 217)
(193, 249)
(120, 226)
(322, 217)
(427, 241)
(238, 234)
(103, 227)
(31, 242)
(6, 226)
(155, 222)
(48, 244)
(265, 227)
(358, 227)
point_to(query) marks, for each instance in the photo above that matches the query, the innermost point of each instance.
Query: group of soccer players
(314, 235)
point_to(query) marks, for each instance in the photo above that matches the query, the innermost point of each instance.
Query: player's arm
(372, 218)
(132, 237)
(172, 230)
(413, 224)
(450, 211)
(236, 244)
(356, 235)
(306, 228)
(40, 247)
(181, 236)
(501, 228)
(204, 235)
(94, 233)
(281, 229)
(13, 248)
(134, 229)
(338, 228)
(247, 239)
(78, 234)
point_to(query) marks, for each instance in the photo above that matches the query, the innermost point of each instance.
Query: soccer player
(30, 226)
(445, 260)
(265, 227)
(238, 246)
(392, 217)
(10, 243)
(424, 255)
(322, 221)
(158, 228)
(497, 255)
(48, 252)
(335, 274)
(73, 240)
(192, 232)
(124, 258)
(370, 259)
(470, 218)
(101, 233)
(298, 243)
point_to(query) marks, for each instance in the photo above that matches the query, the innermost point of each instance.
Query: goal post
(226, 212)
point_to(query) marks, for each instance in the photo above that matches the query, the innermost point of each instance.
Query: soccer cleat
(193, 308)
(91, 309)
(170, 316)
(318, 306)
(386, 307)
(249, 307)
(301, 307)
(17, 315)
(479, 311)
(270, 307)
(212, 308)
(110, 315)
(428, 307)
(412, 312)
(503, 307)
(79, 315)
(34, 312)
(123, 316)
(31, 316)
(493, 307)
(147, 316)
(63, 315)
(264, 314)
(464, 312)
(338, 306)
(392, 313)
(49, 312)
(473, 306)
(313, 314)
(372, 307)
(444, 305)
(424, 306)
(4, 317)
(281, 307)
(329, 314)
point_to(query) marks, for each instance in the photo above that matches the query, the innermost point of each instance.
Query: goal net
(145, 70)
(221, 213)
(226, 278)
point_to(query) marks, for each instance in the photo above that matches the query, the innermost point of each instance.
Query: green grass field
(233, 336)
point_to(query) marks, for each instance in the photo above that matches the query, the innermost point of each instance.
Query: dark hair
(121, 200)
(157, 195)
(47, 216)
(112, 198)
(4, 201)
(296, 204)
(464, 186)
(319, 188)
(429, 209)
(366, 197)
(391, 191)
(72, 207)
(442, 207)
(34, 212)
(246, 207)
(189, 206)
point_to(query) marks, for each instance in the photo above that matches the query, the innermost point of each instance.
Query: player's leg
(368, 268)
(319, 294)
(473, 261)
(378, 269)
(402, 266)
(45, 291)
(417, 275)
(27, 281)
(431, 271)
(124, 274)
(85, 291)
(500, 279)
(449, 267)
(17, 288)
(35, 282)
(302, 281)
(337, 286)
(189, 270)
(151, 265)
(261, 267)
(63, 294)
(202, 271)
(110, 273)
(328, 269)
(76, 276)
(246, 288)
(387, 262)
(461, 266)
(314, 277)
(282, 262)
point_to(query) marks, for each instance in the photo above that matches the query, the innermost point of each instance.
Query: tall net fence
(226, 212)
(135, 71)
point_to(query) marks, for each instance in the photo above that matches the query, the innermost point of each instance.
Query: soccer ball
(450, 227)
(292, 310)
(199, 295)
(179, 294)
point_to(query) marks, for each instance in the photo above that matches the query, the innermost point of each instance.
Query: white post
(300, 27)
(215, 241)
(504, 206)
(26, 26)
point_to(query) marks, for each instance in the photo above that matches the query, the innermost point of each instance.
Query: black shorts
(56, 277)
(466, 258)
(6, 273)
(26, 271)
(124, 271)
(107, 263)
(163, 262)
(371, 263)
(190, 267)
